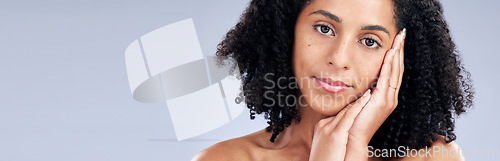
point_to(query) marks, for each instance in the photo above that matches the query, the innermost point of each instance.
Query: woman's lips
(332, 86)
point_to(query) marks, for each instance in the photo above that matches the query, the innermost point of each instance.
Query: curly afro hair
(435, 87)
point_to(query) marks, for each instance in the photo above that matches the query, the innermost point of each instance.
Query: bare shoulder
(233, 149)
(240, 149)
(440, 151)
(446, 151)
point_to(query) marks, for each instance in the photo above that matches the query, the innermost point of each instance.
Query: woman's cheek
(369, 77)
(373, 76)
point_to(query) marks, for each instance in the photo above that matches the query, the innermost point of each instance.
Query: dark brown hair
(435, 85)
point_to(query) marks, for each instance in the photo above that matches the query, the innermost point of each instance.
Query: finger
(397, 40)
(323, 122)
(396, 71)
(401, 63)
(330, 126)
(341, 114)
(385, 73)
(345, 123)
(394, 78)
(329, 123)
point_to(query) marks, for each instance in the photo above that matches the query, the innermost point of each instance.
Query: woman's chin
(328, 110)
(331, 106)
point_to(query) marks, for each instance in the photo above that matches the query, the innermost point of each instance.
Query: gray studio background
(64, 93)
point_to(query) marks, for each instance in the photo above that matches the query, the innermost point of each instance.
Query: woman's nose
(339, 54)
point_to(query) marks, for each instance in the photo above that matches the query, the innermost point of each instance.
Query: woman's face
(338, 50)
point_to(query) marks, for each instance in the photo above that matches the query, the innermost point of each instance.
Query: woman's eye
(370, 43)
(324, 29)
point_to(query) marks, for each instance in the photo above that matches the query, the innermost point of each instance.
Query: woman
(328, 74)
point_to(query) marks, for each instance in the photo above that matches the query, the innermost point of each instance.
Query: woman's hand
(331, 134)
(346, 135)
(383, 101)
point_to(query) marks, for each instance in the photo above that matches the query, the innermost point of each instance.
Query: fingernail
(404, 33)
(368, 92)
(393, 52)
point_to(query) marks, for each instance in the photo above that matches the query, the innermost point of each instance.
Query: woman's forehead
(357, 12)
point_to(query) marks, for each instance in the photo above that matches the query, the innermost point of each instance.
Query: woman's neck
(300, 133)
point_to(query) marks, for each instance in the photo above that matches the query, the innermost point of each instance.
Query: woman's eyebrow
(376, 27)
(327, 14)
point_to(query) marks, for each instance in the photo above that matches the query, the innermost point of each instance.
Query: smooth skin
(353, 41)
